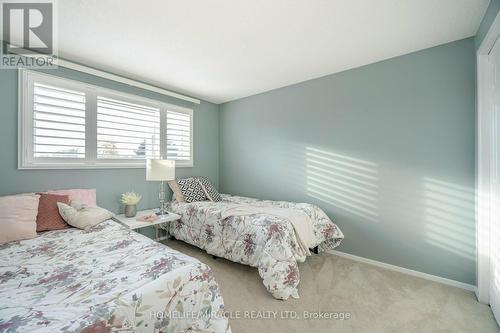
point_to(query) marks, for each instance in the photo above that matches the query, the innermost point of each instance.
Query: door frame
(486, 158)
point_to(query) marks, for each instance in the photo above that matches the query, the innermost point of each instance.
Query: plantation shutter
(69, 124)
(126, 130)
(58, 122)
(179, 136)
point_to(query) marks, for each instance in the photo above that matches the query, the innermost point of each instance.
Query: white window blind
(126, 130)
(58, 122)
(70, 124)
(178, 136)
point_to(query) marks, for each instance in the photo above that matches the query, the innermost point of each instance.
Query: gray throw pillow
(83, 216)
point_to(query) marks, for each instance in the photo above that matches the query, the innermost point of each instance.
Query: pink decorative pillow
(83, 196)
(18, 217)
(48, 217)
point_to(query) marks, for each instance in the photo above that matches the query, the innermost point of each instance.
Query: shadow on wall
(344, 182)
(448, 217)
(426, 216)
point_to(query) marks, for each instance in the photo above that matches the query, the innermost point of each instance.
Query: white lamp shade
(157, 170)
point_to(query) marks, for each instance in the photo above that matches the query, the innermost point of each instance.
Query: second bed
(266, 241)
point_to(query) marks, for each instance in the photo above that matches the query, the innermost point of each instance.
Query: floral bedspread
(263, 241)
(106, 279)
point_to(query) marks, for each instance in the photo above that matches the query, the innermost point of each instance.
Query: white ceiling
(221, 50)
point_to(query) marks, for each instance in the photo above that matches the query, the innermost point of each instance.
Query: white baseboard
(406, 271)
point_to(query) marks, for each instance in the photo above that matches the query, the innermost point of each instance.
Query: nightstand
(132, 223)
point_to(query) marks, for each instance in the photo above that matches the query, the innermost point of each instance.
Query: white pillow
(18, 217)
(83, 216)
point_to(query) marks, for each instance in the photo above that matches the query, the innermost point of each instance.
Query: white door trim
(485, 155)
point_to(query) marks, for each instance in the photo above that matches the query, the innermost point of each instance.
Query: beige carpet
(377, 300)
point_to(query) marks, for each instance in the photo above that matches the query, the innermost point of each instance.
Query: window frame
(26, 159)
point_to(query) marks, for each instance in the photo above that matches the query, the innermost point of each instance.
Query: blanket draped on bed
(300, 221)
(267, 240)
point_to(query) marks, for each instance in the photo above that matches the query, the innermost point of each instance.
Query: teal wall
(387, 150)
(109, 183)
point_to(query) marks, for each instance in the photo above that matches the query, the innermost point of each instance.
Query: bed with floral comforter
(106, 279)
(264, 241)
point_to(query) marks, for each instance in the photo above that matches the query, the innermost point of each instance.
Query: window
(178, 136)
(69, 124)
(126, 130)
(58, 122)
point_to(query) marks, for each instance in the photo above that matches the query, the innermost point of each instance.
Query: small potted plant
(130, 200)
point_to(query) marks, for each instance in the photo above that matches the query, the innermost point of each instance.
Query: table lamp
(160, 170)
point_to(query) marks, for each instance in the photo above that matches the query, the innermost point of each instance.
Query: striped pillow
(209, 189)
(191, 189)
